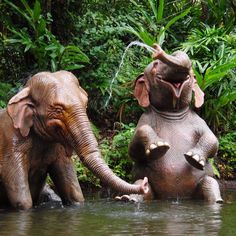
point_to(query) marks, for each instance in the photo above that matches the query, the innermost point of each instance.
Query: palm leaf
(171, 22)
(214, 75)
(160, 10)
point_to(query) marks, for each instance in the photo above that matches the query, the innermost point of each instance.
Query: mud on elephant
(172, 144)
(41, 127)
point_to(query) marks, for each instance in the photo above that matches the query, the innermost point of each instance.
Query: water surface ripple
(107, 217)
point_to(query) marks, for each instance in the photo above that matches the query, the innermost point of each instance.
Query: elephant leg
(137, 197)
(147, 144)
(15, 180)
(206, 146)
(208, 188)
(64, 177)
(37, 182)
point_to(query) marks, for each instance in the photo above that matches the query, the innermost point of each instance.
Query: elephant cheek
(185, 96)
(161, 96)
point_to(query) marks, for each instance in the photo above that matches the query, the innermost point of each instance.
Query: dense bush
(227, 156)
(41, 48)
(213, 54)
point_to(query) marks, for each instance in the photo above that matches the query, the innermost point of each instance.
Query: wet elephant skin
(172, 144)
(43, 124)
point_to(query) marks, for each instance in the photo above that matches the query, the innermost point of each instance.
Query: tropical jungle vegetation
(89, 37)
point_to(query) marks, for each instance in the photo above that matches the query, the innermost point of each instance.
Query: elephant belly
(173, 180)
(171, 176)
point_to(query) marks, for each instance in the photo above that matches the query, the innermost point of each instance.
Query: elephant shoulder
(146, 118)
(199, 123)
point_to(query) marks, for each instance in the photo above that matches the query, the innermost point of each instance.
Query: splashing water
(137, 43)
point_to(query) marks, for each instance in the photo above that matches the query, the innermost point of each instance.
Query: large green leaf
(36, 11)
(199, 77)
(160, 37)
(214, 75)
(226, 98)
(160, 11)
(142, 34)
(154, 8)
(174, 19)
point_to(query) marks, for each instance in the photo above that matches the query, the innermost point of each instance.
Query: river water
(108, 217)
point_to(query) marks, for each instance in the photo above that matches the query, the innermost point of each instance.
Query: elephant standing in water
(172, 144)
(41, 127)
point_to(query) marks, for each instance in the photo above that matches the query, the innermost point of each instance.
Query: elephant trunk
(179, 61)
(86, 147)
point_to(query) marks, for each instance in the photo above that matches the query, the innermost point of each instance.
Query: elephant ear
(20, 109)
(141, 91)
(198, 93)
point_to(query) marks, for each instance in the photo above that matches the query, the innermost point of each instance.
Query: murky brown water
(107, 217)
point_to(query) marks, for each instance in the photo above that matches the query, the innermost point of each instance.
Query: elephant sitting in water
(172, 144)
(40, 128)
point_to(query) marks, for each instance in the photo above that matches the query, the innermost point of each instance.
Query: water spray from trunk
(137, 43)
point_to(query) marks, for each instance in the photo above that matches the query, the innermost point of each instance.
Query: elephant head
(53, 106)
(168, 82)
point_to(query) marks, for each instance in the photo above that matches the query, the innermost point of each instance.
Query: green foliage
(227, 154)
(213, 54)
(152, 26)
(220, 13)
(4, 90)
(37, 40)
(214, 167)
(7, 90)
(115, 151)
(102, 37)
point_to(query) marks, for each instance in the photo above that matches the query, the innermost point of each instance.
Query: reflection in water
(106, 217)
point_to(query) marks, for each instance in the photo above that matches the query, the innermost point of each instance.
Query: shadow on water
(107, 217)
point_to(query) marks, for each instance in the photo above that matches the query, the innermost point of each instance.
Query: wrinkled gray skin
(41, 127)
(172, 144)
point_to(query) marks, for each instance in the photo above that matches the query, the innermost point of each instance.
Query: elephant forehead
(57, 79)
(60, 87)
(69, 96)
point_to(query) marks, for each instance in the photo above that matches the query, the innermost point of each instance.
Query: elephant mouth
(176, 87)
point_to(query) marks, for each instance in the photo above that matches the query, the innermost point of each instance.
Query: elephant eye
(58, 110)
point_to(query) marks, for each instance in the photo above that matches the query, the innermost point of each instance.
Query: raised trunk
(178, 61)
(86, 147)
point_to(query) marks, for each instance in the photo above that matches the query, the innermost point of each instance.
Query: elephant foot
(148, 195)
(157, 149)
(195, 160)
(220, 201)
(130, 198)
(209, 189)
